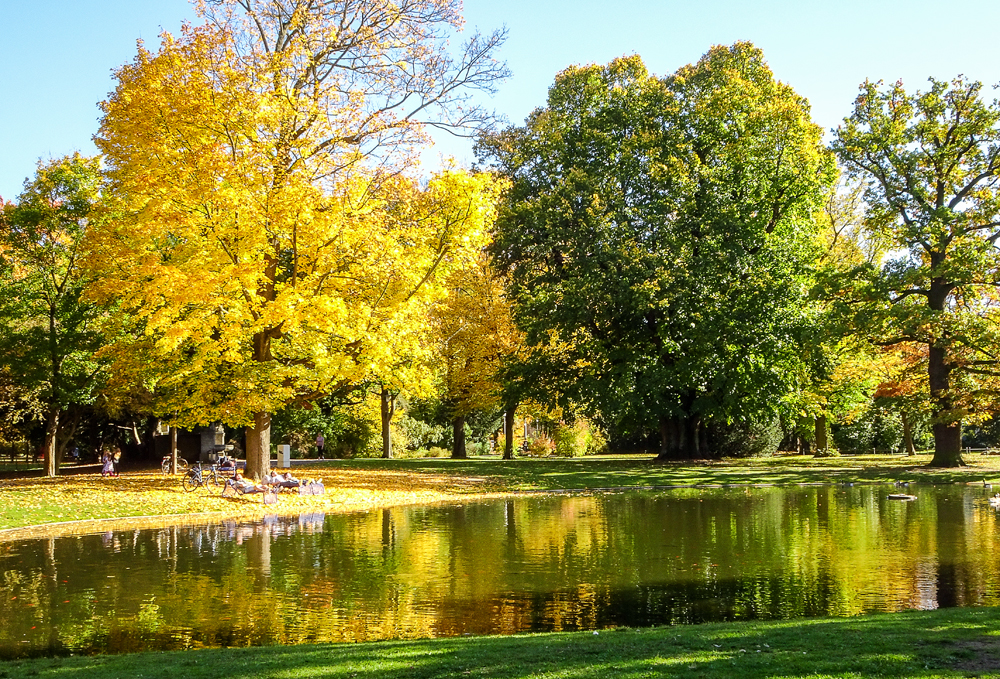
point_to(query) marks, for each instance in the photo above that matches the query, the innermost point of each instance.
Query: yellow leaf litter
(80, 504)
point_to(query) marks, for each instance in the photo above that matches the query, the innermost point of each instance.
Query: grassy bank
(622, 471)
(43, 502)
(364, 484)
(948, 643)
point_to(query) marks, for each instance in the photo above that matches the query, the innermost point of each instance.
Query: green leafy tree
(658, 234)
(930, 161)
(48, 332)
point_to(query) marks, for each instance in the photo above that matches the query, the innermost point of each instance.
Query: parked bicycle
(200, 477)
(182, 465)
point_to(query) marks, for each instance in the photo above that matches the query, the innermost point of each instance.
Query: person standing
(107, 462)
(320, 444)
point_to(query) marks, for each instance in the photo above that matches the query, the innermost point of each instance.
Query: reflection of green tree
(554, 563)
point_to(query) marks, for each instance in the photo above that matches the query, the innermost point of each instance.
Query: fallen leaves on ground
(36, 501)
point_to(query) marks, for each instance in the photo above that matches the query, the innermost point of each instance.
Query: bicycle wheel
(190, 483)
(182, 465)
(213, 478)
(165, 466)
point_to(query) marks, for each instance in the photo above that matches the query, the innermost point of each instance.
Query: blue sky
(56, 56)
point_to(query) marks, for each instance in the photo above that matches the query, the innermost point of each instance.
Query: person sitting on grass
(246, 485)
(285, 480)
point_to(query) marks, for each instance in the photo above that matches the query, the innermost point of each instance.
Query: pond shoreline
(42, 507)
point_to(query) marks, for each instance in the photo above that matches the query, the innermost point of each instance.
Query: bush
(878, 429)
(745, 439)
(420, 435)
(540, 446)
(571, 440)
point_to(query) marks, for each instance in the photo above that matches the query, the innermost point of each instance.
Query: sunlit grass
(927, 644)
(43, 501)
(364, 484)
(642, 471)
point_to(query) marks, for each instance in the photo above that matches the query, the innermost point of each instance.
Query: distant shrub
(570, 440)
(540, 446)
(745, 439)
(878, 429)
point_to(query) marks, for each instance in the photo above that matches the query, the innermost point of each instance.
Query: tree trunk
(458, 439)
(947, 429)
(388, 410)
(508, 441)
(822, 440)
(693, 450)
(907, 434)
(173, 450)
(51, 431)
(673, 438)
(259, 446)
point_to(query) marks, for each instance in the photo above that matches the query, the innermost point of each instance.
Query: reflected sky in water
(567, 562)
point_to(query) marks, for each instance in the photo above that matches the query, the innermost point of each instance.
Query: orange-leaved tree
(264, 234)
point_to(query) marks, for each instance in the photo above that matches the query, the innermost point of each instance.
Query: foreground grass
(365, 484)
(948, 643)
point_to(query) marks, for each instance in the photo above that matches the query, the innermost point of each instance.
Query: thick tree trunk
(822, 429)
(51, 449)
(907, 434)
(947, 430)
(668, 439)
(259, 446)
(508, 440)
(682, 438)
(694, 449)
(388, 410)
(458, 439)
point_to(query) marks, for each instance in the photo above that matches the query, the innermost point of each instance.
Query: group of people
(272, 481)
(109, 461)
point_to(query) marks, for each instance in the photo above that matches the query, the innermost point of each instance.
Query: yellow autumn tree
(476, 336)
(265, 237)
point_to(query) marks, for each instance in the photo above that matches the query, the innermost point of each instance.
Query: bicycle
(182, 465)
(198, 477)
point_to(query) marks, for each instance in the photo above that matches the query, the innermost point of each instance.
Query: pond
(568, 562)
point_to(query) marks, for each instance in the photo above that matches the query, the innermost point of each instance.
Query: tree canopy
(659, 230)
(930, 162)
(264, 235)
(48, 333)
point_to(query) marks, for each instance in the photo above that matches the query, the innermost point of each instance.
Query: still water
(538, 563)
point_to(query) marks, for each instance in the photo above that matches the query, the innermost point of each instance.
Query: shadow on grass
(596, 473)
(953, 642)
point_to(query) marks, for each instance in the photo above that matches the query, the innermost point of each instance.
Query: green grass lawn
(948, 643)
(621, 471)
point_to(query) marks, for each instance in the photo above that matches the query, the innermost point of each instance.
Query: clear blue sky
(56, 56)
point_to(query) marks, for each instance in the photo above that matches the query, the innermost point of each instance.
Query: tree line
(678, 259)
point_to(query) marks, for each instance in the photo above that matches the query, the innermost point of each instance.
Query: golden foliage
(476, 335)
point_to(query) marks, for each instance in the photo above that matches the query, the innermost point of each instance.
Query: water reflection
(562, 563)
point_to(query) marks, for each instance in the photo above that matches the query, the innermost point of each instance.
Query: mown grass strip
(623, 471)
(927, 644)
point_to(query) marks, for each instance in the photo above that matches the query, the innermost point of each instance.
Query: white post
(284, 456)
